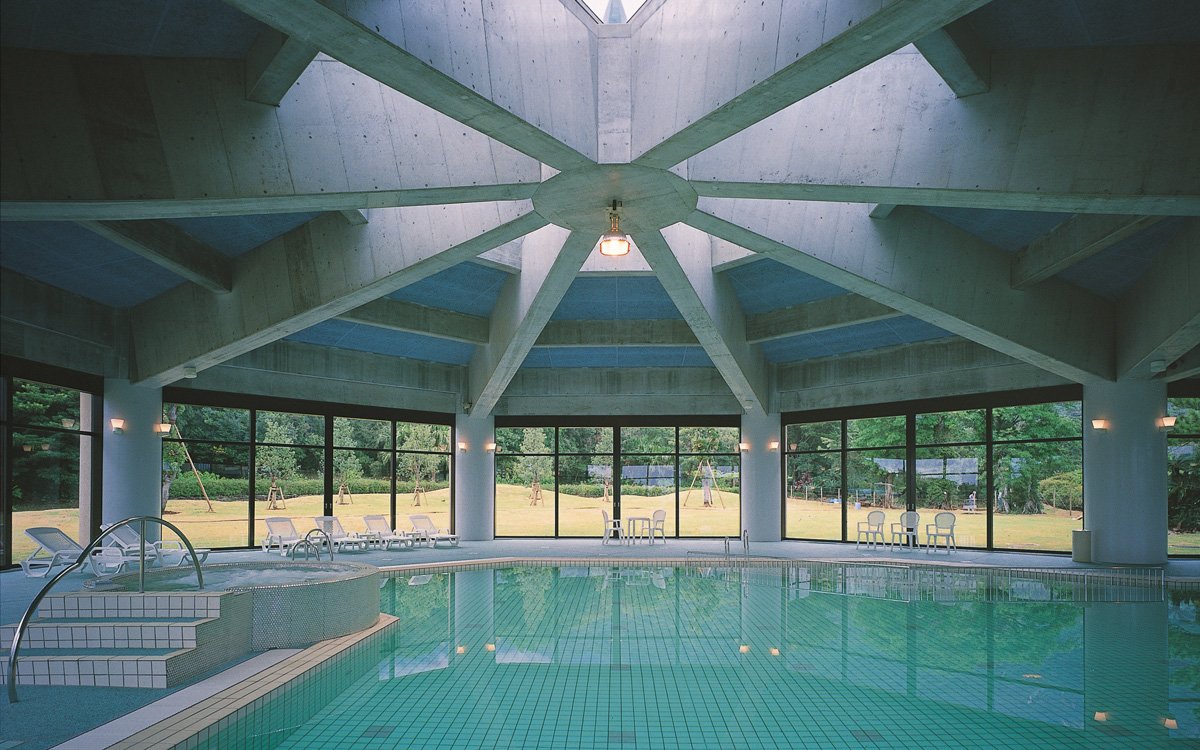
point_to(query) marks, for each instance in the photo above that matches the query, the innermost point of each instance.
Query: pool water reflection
(766, 657)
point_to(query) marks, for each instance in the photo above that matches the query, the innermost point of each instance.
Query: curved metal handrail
(23, 624)
(307, 544)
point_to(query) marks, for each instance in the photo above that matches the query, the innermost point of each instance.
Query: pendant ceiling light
(614, 242)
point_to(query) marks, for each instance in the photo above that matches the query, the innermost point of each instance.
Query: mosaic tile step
(84, 605)
(136, 671)
(107, 633)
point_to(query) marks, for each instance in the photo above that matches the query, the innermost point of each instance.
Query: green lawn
(579, 516)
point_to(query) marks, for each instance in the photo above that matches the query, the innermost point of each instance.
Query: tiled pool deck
(16, 590)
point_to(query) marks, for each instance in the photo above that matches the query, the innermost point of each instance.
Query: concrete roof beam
(812, 317)
(1160, 316)
(1076, 239)
(313, 273)
(889, 133)
(142, 138)
(487, 66)
(171, 248)
(682, 259)
(682, 104)
(566, 333)
(408, 317)
(959, 56)
(274, 64)
(551, 257)
(921, 266)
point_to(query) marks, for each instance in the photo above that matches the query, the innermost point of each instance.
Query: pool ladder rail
(308, 544)
(23, 624)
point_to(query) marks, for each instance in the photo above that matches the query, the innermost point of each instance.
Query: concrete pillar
(475, 478)
(132, 460)
(1124, 472)
(85, 467)
(762, 475)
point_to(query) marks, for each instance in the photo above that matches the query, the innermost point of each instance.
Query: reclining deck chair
(281, 534)
(54, 548)
(425, 529)
(338, 536)
(380, 532)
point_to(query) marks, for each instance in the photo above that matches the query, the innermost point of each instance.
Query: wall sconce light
(743, 447)
(792, 446)
(1100, 424)
(27, 448)
(68, 423)
(460, 650)
(163, 429)
(489, 447)
(1169, 722)
(189, 372)
(1101, 716)
(45, 446)
(490, 647)
(462, 447)
(773, 446)
(118, 425)
(1166, 423)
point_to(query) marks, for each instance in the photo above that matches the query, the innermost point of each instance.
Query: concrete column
(474, 478)
(85, 467)
(761, 477)
(1124, 472)
(132, 460)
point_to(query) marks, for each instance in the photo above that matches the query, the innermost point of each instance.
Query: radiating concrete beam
(682, 259)
(321, 373)
(959, 56)
(354, 216)
(110, 138)
(551, 257)
(618, 391)
(881, 210)
(46, 324)
(1159, 318)
(1020, 147)
(171, 248)
(313, 273)
(368, 39)
(1076, 239)
(785, 55)
(930, 369)
(560, 333)
(811, 317)
(397, 315)
(273, 65)
(1187, 366)
(924, 267)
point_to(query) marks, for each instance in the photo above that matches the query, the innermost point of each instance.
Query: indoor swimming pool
(788, 655)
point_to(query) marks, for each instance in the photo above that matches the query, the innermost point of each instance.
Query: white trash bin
(1081, 545)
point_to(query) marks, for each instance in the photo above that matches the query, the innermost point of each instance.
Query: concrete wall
(133, 460)
(474, 478)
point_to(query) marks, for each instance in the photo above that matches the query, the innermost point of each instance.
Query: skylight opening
(614, 11)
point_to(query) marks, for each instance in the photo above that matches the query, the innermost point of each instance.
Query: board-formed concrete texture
(831, 202)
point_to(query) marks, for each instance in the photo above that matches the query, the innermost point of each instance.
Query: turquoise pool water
(820, 656)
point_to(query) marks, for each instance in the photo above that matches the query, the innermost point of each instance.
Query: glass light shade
(614, 244)
(163, 428)
(1166, 423)
(118, 425)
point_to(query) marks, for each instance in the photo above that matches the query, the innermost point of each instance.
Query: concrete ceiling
(397, 204)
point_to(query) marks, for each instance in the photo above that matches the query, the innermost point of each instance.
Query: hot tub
(293, 604)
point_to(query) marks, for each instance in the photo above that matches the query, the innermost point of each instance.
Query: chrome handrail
(306, 542)
(23, 624)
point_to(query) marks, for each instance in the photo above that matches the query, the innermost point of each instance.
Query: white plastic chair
(612, 528)
(381, 532)
(942, 528)
(54, 548)
(428, 530)
(338, 536)
(281, 534)
(129, 541)
(658, 525)
(872, 529)
(905, 532)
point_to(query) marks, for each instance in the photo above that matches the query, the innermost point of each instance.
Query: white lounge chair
(871, 529)
(380, 532)
(338, 536)
(425, 528)
(942, 529)
(129, 541)
(54, 548)
(281, 535)
(612, 528)
(906, 530)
